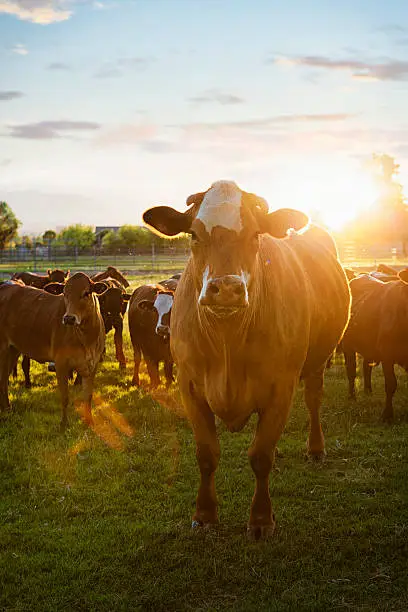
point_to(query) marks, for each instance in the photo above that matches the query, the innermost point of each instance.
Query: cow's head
(57, 276)
(80, 302)
(225, 223)
(113, 304)
(161, 306)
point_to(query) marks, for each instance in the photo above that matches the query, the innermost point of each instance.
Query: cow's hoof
(260, 532)
(201, 525)
(387, 418)
(316, 457)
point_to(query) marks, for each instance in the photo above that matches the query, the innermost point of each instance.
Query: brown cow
(378, 330)
(40, 280)
(110, 272)
(149, 326)
(67, 329)
(254, 311)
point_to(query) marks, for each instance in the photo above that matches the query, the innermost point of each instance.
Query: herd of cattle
(262, 303)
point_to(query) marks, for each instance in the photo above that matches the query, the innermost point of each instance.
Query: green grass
(100, 520)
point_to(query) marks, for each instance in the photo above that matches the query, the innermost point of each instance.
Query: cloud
(49, 130)
(37, 11)
(45, 12)
(119, 66)
(58, 66)
(215, 96)
(10, 95)
(19, 49)
(127, 133)
(391, 70)
(5, 162)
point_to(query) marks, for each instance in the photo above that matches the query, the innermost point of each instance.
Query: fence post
(153, 256)
(35, 257)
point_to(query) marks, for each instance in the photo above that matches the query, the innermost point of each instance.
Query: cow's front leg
(118, 340)
(62, 372)
(390, 388)
(313, 399)
(207, 453)
(271, 423)
(87, 391)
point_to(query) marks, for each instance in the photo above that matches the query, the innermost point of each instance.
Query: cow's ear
(99, 287)
(126, 297)
(67, 273)
(54, 288)
(278, 223)
(145, 305)
(403, 275)
(167, 221)
(49, 272)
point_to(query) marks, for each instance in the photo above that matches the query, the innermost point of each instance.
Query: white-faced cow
(254, 311)
(149, 326)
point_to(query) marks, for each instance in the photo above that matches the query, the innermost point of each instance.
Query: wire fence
(160, 259)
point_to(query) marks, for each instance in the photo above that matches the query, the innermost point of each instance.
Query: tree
(80, 236)
(9, 225)
(49, 236)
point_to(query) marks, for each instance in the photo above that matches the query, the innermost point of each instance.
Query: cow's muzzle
(69, 319)
(163, 331)
(225, 292)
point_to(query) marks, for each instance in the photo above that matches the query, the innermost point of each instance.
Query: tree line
(82, 237)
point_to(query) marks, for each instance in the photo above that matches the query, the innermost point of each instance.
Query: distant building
(106, 228)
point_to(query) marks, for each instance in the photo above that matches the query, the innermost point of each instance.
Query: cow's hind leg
(313, 399)
(390, 388)
(261, 454)
(350, 361)
(367, 371)
(153, 370)
(26, 369)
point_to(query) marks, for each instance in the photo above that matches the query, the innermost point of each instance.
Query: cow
(40, 280)
(149, 326)
(255, 310)
(378, 330)
(113, 303)
(67, 329)
(110, 273)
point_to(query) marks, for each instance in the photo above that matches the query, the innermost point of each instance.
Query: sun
(331, 193)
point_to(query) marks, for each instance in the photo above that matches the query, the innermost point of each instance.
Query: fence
(150, 260)
(169, 258)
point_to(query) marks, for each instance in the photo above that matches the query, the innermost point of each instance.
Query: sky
(109, 107)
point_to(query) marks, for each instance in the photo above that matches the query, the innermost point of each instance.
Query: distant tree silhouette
(9, 225)
(49, 236)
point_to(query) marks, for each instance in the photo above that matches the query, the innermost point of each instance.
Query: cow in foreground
(149, 326)
(378, 330)
(41, 280)
(254, 312)
(66, 329)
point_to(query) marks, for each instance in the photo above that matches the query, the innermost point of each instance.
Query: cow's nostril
(213, 289)
(239, 290)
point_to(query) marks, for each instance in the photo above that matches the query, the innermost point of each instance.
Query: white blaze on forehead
(163, 304)
(222, 206)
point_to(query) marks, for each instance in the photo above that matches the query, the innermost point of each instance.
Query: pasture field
(100, 519)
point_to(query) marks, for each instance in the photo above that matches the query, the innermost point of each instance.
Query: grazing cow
(384, 269)
(149, 325)
(254, 311)
(378, 330)
(40, 280)
(67, 329)
(110, 273)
